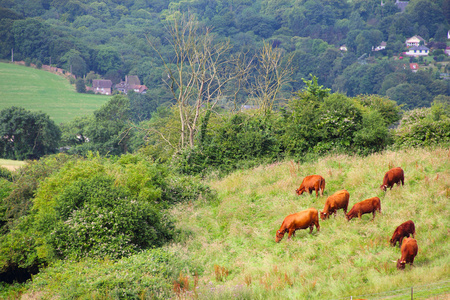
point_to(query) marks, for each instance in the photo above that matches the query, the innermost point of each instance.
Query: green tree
(27, 135)
(107, 132)
(107, 58)
(31, 39)
(410, 95)
(72, 60)
(80, 85)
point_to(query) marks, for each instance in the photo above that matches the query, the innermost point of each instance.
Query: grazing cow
(393, 176)
(367, 206)
(336, 201)
(403, 230)
(409, 251)
(300, 220)
(310, 183)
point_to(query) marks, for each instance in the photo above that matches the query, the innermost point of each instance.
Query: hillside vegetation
(39, 90)
(225, 247)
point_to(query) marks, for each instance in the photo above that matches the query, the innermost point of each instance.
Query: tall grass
(227, 247)
(39, 90)
(344, 258)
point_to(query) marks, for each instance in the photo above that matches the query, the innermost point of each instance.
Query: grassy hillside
(230, 243)
(39, 90)
(11, 164)
(345, 258)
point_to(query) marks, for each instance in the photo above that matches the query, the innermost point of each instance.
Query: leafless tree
(198, 73)
(271, 73)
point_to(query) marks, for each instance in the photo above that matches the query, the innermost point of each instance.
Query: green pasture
(229, 251)
(39, 90)
(11, 164)
(233, 240)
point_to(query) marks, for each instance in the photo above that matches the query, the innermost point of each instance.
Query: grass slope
(231, 241)
(39, 90)
(345, 258)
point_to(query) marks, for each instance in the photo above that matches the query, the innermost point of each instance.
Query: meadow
(228, 244)
(39, 90)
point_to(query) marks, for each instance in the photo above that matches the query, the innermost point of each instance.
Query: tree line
(110, 39)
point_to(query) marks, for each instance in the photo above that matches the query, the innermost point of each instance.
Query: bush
(239, 137)
(98, 219)
(419, 128)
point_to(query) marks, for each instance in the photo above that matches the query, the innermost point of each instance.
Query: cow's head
(393, 242)
(279, 236)
(401, 264)
(323, 215)
(300, 191)
(383, 187)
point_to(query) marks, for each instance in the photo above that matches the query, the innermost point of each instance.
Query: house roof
(132, 80)
(414, 66)
(401, 5)
(419, 48)
(102, 83)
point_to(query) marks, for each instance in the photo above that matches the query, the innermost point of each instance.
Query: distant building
(101, 86)
(380, 47)
(414, 67)
(447, 50)
(401, 5)
(343, 48)
(414, 41)
(131, 83)
(417, 51)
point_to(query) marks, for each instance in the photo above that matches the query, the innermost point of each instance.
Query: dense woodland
(112, 39)
(277, 87)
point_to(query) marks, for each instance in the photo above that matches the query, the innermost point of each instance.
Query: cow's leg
(317, 225)
(400, 241)
(291, 232)
(311, 227)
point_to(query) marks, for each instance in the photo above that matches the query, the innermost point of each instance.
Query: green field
(39, 90)
(231, 241)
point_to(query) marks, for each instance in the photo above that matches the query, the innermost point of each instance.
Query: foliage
(423, 127)
(147, 275)
(99, 220)
(233, 141)
(27, 135)
(89, 207)
(80, 86)
(107, 132)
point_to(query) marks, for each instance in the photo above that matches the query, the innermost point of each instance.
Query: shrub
(419, 128)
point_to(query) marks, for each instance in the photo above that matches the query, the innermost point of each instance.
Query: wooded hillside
(111, 39)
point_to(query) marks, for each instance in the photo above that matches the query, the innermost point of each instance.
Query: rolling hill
(39, 90)
(229, 249)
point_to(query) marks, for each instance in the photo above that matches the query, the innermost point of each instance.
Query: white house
(380, 47)
(417, 51)
(414, 41)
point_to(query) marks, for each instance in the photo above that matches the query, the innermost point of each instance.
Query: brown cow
(336, 201)
(301, 220)
(367, 206)
(403, 230)
(409, 251)
(393, 176)
(310, 183)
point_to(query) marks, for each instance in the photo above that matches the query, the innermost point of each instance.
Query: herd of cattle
(339, 200)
